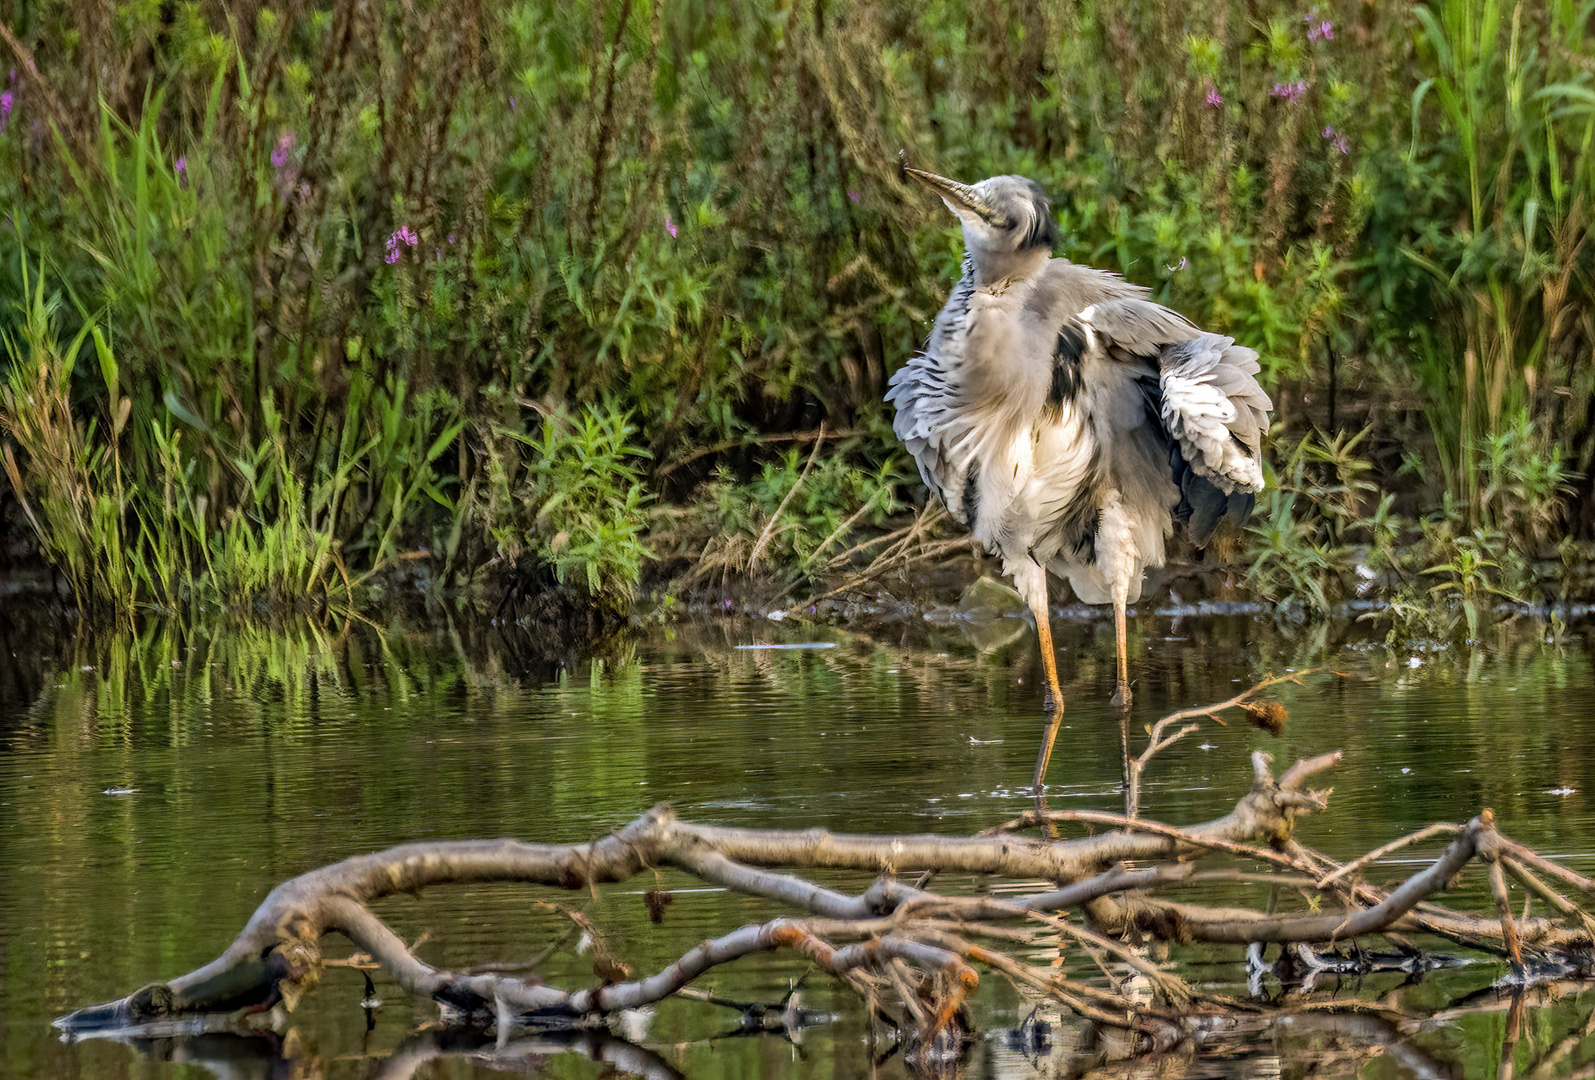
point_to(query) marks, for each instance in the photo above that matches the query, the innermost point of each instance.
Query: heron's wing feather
(1215, 413)
(1161, 390)
(1214, 409)
(927, 401)
(931, 410)
(1063, 289)
(1136, 327)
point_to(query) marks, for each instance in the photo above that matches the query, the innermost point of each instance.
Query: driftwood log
(913, 953)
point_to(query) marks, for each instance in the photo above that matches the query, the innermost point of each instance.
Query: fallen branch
(1438, 829)
(891, 940)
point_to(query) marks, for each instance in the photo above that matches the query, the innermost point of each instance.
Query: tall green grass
(1506, 119)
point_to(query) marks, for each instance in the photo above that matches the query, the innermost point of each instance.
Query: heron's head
(1003, 216)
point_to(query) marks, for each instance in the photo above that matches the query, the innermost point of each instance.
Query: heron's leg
(1049, 664)
(1121, 706)
(1121, 644)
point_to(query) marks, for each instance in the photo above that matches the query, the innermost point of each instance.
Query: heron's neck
(1009, 269)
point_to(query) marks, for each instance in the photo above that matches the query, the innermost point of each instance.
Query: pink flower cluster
(1289, 91)
(285, 145)
(1319, 28)
(8, 101)
(282, 159)
(1214, 98)
(1337, 140)
(402, 235)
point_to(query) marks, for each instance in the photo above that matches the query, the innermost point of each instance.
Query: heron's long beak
(958, 197)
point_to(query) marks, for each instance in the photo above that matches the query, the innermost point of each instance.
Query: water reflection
(1546, 1034)
(267, 1055)
(155, 784)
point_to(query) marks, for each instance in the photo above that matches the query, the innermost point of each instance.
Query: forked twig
(1157, 741)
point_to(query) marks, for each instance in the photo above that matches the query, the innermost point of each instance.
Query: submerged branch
(890, 939)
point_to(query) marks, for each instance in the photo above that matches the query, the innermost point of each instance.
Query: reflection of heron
(1067, 420)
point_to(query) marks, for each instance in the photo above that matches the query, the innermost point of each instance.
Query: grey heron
(1068, 421)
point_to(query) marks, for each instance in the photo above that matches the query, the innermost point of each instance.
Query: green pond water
(155, 784)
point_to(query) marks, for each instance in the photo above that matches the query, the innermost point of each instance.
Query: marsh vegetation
(329, 304)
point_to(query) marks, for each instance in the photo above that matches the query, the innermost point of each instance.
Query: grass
(326, 304)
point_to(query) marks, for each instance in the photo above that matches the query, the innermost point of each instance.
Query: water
(154, 785)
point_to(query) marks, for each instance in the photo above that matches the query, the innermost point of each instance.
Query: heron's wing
(929, 399)
(1170, 399)
(1216, 415)
(928, 402)
(1063, 289)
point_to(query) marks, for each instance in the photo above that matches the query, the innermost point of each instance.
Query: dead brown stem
(1157, 741)
(1526, 878)
(769, 526)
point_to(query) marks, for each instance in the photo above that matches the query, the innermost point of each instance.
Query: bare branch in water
(892, 940)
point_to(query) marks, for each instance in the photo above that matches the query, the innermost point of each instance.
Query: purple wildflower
(182, 172)
(1289, 91)
(402, 235)
(853, 195)
(451, 238)
(1214, 98)
(285, 143)
(1337, 140)
(7, 100)
(1319, 28)
(512, 103)
(670, 227)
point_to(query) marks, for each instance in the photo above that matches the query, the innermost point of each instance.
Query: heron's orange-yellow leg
(1121, 644)
(1121, 705)
(1049, 664)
